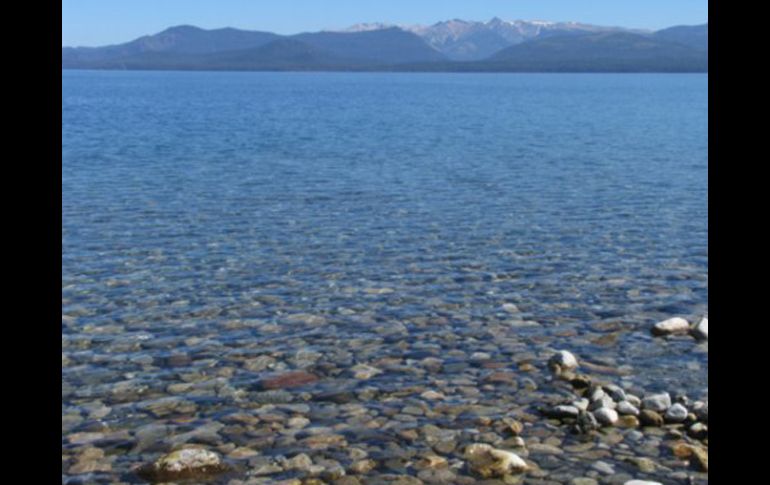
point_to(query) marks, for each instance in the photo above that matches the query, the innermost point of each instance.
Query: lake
(222, 229)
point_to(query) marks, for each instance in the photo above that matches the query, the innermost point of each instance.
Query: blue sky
(101, 22)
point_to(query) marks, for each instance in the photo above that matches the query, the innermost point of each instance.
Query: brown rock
(527, 367)
(698, 456)
(288, 380)
(606, 340)
(347, 480)
(176, 360)
(515, 427)
(363, 466)
(431, 461)
(628, 421)
(701, 458)
(90, 460)
(324, 441)
(409, 434)
(500, 377)
(580, 381)
(681, 450)
(649, 417)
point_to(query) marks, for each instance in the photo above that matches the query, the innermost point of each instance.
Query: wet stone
(603, 467)
(671, 326)
(488, 462)
(676, 414)
(657, 402)
(90, 460)
(626, 408)
(563, 360)
(287, 380)
(701, 330)
(168, 406)
(650, 418)
(606, 416)
(583, 481)
(184, 464)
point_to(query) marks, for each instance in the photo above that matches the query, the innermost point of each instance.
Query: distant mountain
(455, 45)
(194, 48)
(463, 40)
(280, 54)
(603, 51)
(384, 46)
(696, 36)
(183, 39)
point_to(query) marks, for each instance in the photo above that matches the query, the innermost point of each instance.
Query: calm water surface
(213, 218)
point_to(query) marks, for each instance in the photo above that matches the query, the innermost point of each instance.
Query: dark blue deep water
(228, 215)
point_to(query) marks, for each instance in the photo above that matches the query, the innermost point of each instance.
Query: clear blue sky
(101, 22)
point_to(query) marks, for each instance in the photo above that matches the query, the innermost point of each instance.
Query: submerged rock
(90, 460)
(701, 458)
(287, 380)
(489, 462)
(188, 463)
(510, 308)
(363, 371)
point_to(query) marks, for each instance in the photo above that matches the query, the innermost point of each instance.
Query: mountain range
(454, 45)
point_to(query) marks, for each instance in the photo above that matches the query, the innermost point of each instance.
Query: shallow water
(328, 219)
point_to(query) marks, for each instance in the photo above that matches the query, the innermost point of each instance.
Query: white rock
(603, 467)
(581, 404)
(492, 463)
(480, 356)
(671, 326)
(510, 308)
(518, 442)
(509, 461)
(187, 459)
(626, 408)
(603, 402)
(564, 412)
(298, 422)
(702, 411)
(641, 482)
(701, 330)
(299, 462)
(676, 413)
(657, 402)
(432, 395)
(635, 401)
(606, 416)
(363, 371)
(563, 360)
(615, 392)
(597, 394)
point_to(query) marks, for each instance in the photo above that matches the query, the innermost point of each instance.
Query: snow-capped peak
(366, 27)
